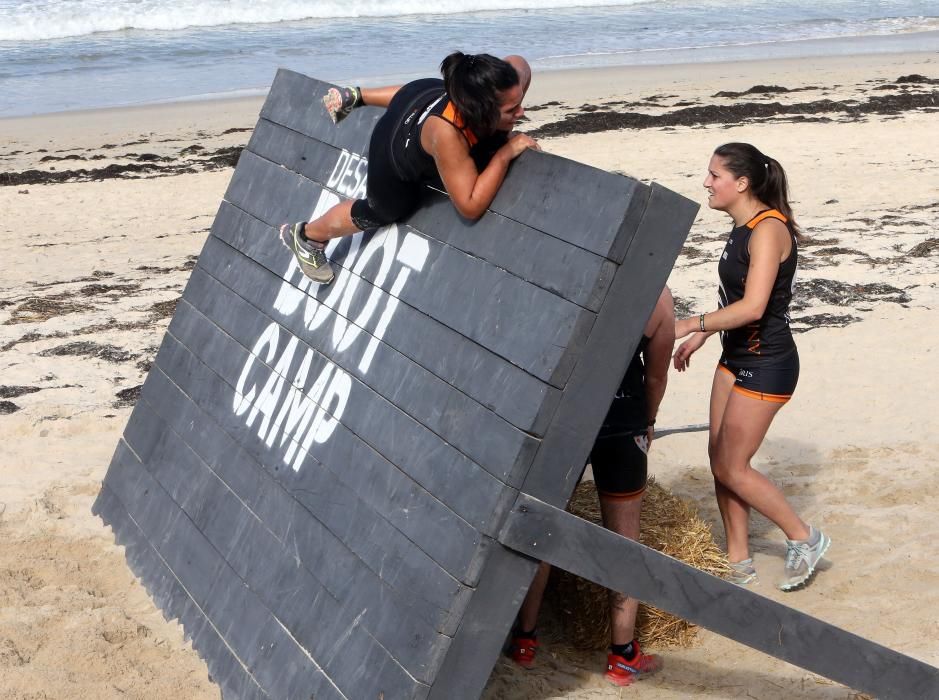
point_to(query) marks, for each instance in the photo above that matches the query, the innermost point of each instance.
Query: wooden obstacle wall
(315, 478)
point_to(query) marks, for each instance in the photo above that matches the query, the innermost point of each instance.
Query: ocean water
(58, 55)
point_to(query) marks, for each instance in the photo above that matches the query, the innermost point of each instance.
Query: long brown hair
(767, 178)
(473, 82)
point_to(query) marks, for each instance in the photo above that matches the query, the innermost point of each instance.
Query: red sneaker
(622, 672)
(522, 651)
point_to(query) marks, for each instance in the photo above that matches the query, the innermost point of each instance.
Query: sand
(94, 262)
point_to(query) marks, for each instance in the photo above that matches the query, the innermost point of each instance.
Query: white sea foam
(37, 20)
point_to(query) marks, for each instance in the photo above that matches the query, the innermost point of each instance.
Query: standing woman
(759, 366)
(456, 131)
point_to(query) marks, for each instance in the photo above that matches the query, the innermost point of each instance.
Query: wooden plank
(265, 394)
(139, 498)
(172, 598)
(260, 558)
(236, 610)
(548, 262)
(437, 595)
(507, 390)
(334, 564)
(660, 229)
(499, 448)
(538, 331)
(296, 101)
(599, 555)
(660, 233)
(489, 616)
(537, 193)
(342, 449)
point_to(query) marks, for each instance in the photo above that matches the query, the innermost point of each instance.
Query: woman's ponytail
(768, 181)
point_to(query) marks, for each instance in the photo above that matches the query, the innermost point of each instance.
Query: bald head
(522, 68)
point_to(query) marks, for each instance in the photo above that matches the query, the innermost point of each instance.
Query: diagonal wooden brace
(547, 533)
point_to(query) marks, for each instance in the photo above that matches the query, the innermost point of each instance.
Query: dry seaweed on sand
(670, 525)
(38, 309)
(87, 348)
(927, 247)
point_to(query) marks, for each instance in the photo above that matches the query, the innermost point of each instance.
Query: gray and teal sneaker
(340, 102)
(310, 255)
(742, 572)
(802, 556)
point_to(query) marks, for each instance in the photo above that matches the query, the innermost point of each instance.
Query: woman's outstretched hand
(682, 356)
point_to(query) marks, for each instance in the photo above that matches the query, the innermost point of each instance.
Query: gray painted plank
(234, 292)
(167, 410)
(537, 193)
(548, 262)
(507, 390)
(329, 558)
(191, 483)
(235, 610)
(564, 540)
(372, 480)
(478, 643)
(268, 566)
(660, 233)
(172, 598)
(660, 230)
(343, 448)
(266, 394)
(242, 646)
(295, 101)
(538, 331)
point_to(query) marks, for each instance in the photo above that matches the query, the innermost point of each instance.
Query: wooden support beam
(550, 534)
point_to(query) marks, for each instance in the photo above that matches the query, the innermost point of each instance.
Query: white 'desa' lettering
(287, 414)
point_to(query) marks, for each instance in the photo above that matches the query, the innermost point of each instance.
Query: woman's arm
(768, 248)
(471, 191)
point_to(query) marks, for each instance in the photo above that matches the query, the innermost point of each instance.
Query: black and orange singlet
(770, 338)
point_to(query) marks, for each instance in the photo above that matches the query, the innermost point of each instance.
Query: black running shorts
(388, 198)
(772, 382)
(620, 465)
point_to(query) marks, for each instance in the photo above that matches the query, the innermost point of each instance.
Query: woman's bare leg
(735, 513)
(379, 96)
(528, 615)
(743, 426)
(336, 222)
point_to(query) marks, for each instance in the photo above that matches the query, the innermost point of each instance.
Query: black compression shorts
(772, 382)
(620, 465)
(388, 198)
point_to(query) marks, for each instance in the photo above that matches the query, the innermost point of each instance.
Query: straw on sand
(668, 524)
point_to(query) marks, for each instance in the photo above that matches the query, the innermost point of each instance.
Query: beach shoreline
(553, 81)
(95, 261)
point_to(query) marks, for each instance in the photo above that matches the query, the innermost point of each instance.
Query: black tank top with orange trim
(770, 338)
(413, 105)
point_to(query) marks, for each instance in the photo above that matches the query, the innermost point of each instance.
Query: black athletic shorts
(620, 465)
(774, 382)
(388, 198)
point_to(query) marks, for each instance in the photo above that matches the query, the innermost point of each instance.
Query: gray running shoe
(742, 572)
(802, 558)
(340, 102)
(310, 256)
